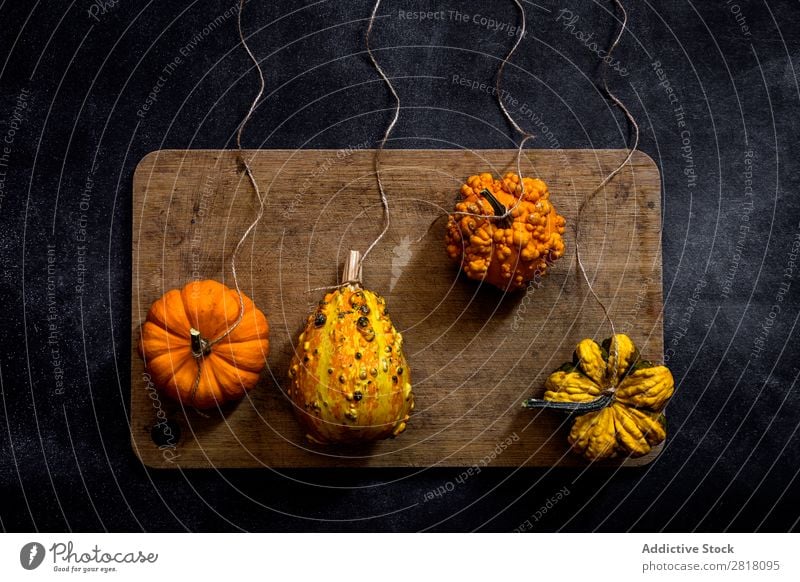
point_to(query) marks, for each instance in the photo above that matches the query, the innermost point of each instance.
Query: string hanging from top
(527, 136)
(206, 345)
(355, 274)
(350, 381)
(520, 237)
(249, 173)
(185, 325)
(387, 133)
(618, 398)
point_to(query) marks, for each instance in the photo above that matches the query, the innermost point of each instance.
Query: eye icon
(31, 555)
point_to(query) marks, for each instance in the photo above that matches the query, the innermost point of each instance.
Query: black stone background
(732, 458)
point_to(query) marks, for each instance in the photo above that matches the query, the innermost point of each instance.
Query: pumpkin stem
(200, 346)
(499, 210)
(580, 407)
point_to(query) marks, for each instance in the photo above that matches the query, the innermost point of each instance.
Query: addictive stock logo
(31, 555)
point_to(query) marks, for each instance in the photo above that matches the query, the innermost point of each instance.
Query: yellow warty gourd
(349, 379)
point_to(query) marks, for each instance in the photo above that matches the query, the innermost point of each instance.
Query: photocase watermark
(568, 20)
(687, 156)
(450, 486)
(152, 97)
(100, 8)
(489, 88)
(519, 313)
(95, 560)
(81, 233)
(641, 298)
(13, 125)
(53, 322)
(687, 152)
(169, 444)
(311, 179)
(768, 323)
(208, 29)
(547, 506)
(183, 53)
(67, 558)
(520, 108)
(32, 555)
(682, 325)
(408, 210)
(741, 21)
(203, 205)
(746, 208)
(401, 256)
(480, 20)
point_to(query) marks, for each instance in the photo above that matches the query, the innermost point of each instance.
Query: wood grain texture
(474, 353)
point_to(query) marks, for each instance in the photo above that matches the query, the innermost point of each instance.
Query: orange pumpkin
(185, 349)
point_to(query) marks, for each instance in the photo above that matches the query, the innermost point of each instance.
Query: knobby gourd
(349, 380)
(187, 352)
(619, 397)
(507, 252)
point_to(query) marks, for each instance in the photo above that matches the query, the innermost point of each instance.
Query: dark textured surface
(732, 458)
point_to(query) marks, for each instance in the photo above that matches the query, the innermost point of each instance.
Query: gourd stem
(580, 407)
(351, 274)
(500, 211)
(200, 346)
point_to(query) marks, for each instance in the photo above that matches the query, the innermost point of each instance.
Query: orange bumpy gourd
(185, 349)
(506, 252)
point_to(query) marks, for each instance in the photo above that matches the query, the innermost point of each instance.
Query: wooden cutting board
(474, 353)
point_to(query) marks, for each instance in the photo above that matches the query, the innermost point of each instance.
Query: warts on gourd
(359, 358)
(516, 238)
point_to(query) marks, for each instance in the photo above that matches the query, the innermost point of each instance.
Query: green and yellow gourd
(349, 379)
(617, 398)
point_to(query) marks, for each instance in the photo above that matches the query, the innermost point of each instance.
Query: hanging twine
(246, 165)
(248, 171)
(390, 127)
(606, 397)
(377, 159)
(205, 345)
(632, 122)
(526, 136)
